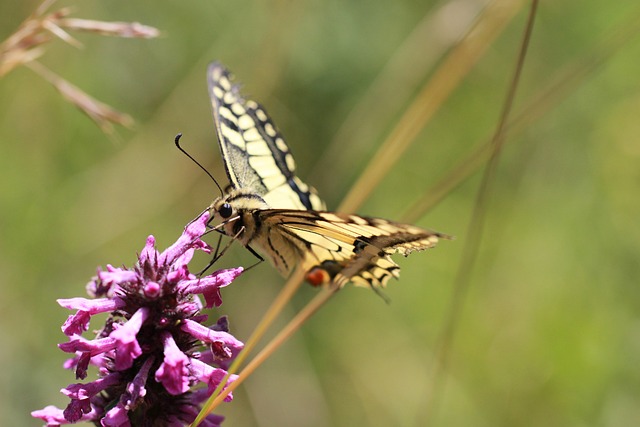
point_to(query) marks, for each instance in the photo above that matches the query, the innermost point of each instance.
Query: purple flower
(173, 373)
(153, 348)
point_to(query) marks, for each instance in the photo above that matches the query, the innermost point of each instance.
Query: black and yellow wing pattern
(270, 209)
(254, 152)
(331, 244)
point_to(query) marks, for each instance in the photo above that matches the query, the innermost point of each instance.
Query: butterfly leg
(255, 254)
(215, 253)
(219, 253)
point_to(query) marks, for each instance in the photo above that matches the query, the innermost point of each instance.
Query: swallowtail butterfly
(269, 208)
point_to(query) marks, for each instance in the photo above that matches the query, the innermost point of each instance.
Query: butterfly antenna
(177, 141)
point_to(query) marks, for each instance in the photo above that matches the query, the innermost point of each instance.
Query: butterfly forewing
(269, 208)
(254, 152)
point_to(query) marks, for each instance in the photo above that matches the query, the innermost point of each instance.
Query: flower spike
(153, 348)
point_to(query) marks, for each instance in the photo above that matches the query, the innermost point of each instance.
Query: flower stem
(280, 301)
(276, 342)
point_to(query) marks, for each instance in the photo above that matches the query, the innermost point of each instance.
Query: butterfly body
(249, 228)
(267, 207)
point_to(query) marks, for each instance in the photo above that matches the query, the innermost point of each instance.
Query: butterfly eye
(225, 210)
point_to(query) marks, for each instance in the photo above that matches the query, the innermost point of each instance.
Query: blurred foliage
(547, 335)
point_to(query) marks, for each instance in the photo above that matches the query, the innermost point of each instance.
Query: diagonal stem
(295, 324)
(433, 94)
(270, 315)
(557, 89)
(476, 225)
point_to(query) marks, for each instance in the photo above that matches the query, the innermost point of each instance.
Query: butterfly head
(231, 211)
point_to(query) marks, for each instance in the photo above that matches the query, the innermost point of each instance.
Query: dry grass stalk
(28, 42)
(457, 64)
(104, 116)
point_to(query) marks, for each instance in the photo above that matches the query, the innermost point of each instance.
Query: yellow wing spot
(224, 82)
(252, 135)
(219, 93)
(245, 122)
(291, 165)
(258, 148)
(329, 217)
(263, 164)
(385, 263)
(235, 138)
(282, 146)
(316, 202)
(364, 230)
(273, 181)
(261, 114)
(388, 228)
(323, 242)
(227, 114)
(432, 239)
(301, 185)
(229, 98)
(268, 127)
(237, 109)
(358, 220)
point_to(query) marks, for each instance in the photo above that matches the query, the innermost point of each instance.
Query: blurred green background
(549, 332)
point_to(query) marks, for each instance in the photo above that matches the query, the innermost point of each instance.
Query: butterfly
(267, 207)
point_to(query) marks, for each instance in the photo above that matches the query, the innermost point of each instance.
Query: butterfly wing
(261, 169)
(254, 152)
(357, 248)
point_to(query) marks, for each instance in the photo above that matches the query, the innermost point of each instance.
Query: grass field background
(548, 333)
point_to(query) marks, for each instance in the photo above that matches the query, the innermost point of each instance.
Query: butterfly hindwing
(355, 247)
(254, 152)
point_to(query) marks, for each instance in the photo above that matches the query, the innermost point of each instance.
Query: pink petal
(173, 372)
(128, 349)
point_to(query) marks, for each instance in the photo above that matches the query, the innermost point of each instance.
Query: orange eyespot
(317, 277)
